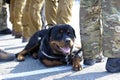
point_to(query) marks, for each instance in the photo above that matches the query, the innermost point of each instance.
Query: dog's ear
(73, 30)
(74, 33)
(48, 33)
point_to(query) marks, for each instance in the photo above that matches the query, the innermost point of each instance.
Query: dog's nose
(67, 41)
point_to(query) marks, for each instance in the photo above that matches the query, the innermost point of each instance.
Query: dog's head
(61, 39)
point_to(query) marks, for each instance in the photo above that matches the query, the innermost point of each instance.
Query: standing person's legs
(3, 19)
(64, 13)
(51, 11)
(18, 13)
(1, 5)
(25, 21)
(12, 4)
(90, 30)
(34, 15)
(31, 18)
(111, 34)
(111, 28)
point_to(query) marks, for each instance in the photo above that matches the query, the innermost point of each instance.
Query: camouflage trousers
(0, 5)
(58, 11)
(100, 28)
(3, 16)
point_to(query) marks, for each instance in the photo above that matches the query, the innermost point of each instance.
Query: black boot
(90, 62)
(5, 31)
(113, 65)
(4, 56)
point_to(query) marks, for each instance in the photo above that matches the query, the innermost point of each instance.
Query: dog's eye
(61, 31)
(68, 32)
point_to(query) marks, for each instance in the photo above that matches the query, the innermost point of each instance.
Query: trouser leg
(90, 28)
(18, 13)
(1, 5)
(34, 14)
(31, 17)
(111, 28)
(3, 18)
(12, 4)
(25, 20)
(64, 13)
(51, 11)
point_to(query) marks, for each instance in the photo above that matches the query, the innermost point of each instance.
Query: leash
(73, 54)
(76, 53)
(48, 26)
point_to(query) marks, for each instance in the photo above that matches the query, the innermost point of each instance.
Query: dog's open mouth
(65, 49)
(61, 48)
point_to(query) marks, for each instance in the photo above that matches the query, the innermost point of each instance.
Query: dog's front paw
(20, 57)
(76, 64)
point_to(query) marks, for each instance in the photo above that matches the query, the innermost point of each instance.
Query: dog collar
(66, 58)
(52, 57)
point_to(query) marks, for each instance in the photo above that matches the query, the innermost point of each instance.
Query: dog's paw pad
(77, 67)
(20, 58)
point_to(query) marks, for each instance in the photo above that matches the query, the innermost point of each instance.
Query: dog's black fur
(53, 47)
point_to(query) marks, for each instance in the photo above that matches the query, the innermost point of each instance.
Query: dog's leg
(50, 63)
(76, 64)
(35, 55)
(21, 56)
(34, 51)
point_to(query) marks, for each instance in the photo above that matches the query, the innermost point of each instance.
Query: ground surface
(31, 69)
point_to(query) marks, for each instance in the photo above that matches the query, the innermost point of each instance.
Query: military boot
(90, 62)
(4, 56)
(113, 65)
(6, 31)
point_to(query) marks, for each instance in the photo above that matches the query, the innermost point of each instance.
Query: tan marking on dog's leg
(50, 63)
(76, 64)
(21, 55)
(35, 55)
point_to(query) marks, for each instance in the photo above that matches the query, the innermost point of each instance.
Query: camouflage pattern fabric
(100, 28)
(0, 5)
(90, 28)
(3, 15)
(111, 28)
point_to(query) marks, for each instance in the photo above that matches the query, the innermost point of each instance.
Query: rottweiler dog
(53, 47)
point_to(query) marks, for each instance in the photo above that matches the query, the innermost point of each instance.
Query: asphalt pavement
(32, 69)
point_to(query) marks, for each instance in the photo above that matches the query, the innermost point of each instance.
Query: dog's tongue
(66, 50)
